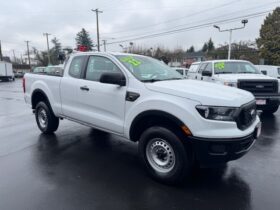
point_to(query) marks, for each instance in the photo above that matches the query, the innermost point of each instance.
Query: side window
(76, 66)
(208, 67)
(202, 67)
(98, 65)
(181, 71)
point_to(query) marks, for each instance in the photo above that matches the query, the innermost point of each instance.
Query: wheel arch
(149, 118)
(37, 96)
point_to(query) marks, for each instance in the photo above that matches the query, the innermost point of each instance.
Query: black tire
(271, 110)
(178, 167)
(44, 113)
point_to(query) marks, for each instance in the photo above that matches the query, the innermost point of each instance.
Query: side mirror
(207, 73)
(115, 78)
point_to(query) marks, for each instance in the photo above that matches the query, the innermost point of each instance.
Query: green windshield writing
(220, 65)
(131, 61)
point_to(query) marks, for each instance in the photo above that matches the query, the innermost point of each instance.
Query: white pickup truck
(177, 122)
(240, 74)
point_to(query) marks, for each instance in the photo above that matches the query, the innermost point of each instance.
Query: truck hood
(235, 77)
(203, 92)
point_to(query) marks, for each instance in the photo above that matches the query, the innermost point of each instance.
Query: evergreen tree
(191, 49)
(210, 45)
(204, 48)
(269, 40)
(84, 39)
(55, 51)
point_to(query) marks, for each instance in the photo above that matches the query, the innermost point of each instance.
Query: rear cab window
(193, 68)
(76, 66)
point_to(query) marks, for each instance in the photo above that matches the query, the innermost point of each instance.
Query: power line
(179, 18)
(250, 16)
(191, 15)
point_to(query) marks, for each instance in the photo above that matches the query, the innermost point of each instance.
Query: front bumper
(271, 100)
(219, 151)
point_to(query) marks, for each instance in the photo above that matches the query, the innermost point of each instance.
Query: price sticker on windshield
(220, 65)
(131, 61)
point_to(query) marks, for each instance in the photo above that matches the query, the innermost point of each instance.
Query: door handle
(84, 88)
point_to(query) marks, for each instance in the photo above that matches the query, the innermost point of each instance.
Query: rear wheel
(271, 110)
(164, 155)
(47, 122)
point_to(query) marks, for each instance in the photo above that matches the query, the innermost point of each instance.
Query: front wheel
(164, 155)
(47, 122)
(271, 110)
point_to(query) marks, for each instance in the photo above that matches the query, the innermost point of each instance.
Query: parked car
(40, 69)
(178, 123)
(193, 70)
(272, 71)
(19, 74)
(244, 75)
(183, 71)
(6, 71)
(58, 70)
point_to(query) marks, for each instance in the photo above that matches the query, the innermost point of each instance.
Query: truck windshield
(148, 69)
(235, 68)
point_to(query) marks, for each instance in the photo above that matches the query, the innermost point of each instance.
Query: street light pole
(97, 27)
(104, 44)
(27, 45)
(244, 22)
(49, 56)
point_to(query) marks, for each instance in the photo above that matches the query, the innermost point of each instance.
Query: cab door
(102, 105)
(198, 76)
(207, 73)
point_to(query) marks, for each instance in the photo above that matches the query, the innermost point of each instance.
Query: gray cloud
(27, 20)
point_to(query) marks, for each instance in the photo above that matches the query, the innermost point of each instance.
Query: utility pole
(104, 44)
(244, 22)
(14, 56)
(1, 56)
(49, 56)
(97, 27)
(27, 45)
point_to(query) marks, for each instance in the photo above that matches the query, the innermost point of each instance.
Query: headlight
(231, 84)
(217, 113)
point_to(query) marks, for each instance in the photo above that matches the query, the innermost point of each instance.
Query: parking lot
(80, 168)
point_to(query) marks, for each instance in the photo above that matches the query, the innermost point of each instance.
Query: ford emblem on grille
(259, 86)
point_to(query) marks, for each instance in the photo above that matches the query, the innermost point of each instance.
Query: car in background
(183, 71)
(40, 69)
(19, 74)
(244, 75)
(6, 71)
(57, 70)
(192, 73)
(272, 71)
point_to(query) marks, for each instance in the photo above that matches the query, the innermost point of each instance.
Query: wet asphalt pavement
(79, 168)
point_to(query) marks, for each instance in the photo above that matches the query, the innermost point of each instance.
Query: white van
(272, 71)
(6, 71)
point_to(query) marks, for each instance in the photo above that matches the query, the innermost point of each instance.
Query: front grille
(246, 115)
(259, 86)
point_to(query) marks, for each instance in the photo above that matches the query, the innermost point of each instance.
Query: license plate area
(261, 102)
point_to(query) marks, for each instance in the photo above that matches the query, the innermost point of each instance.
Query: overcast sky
(121, 19)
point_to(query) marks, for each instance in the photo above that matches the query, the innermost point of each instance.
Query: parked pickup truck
(244, 75)
(177, 122)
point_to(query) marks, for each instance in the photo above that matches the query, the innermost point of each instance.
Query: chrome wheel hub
(160, 155)
(42, 117)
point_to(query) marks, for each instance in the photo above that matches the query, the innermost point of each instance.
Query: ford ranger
(178, 123)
